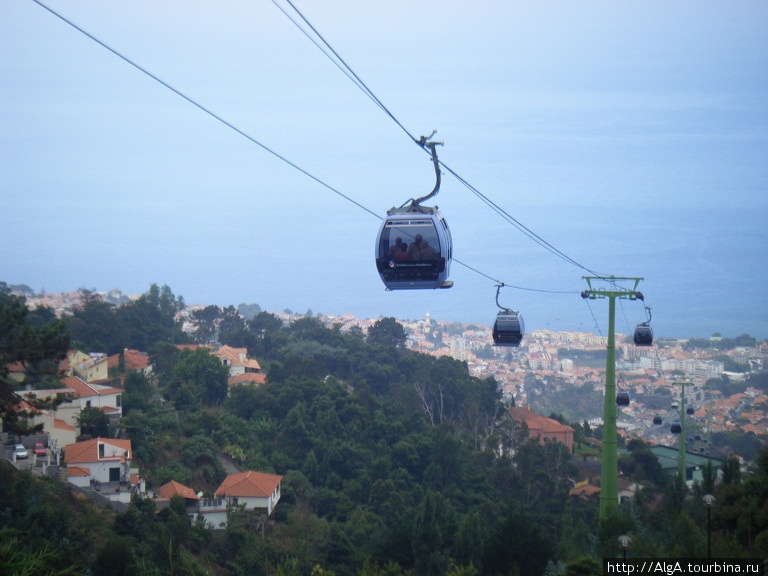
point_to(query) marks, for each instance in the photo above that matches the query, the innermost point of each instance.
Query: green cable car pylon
(682, 470)
(609, 467)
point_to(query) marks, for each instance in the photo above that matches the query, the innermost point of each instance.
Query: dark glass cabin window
(409, 241)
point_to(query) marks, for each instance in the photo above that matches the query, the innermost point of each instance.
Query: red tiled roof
(78, 471)
(88, 451)
(585, 491)
(62, 425)
(248, 377)
(173, 488)
(133, 359)
(16, 367)
(81, 389)
(249, 484)
(109, 410)
(237, 357)
(537, 423)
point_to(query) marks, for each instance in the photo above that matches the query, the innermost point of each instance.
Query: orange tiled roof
(249, 484)
(88, 451)
(537, 423)
(134, 360)
(585, 491)
(16, 367)
(78, 471)
(82, 389)
(108, 410)
(173, 488)
(237, 357)
(61, 425)
(248, 377)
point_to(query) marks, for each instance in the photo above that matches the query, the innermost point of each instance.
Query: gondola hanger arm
(426, 143)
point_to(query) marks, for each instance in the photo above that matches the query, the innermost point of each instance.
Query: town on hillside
(563, 373)
(555, 374)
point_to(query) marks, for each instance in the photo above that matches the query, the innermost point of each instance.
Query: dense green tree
(94, 324)
(93, 423)
(518, 545)
(201, 374)
(731, 469)
(151, 318)
(233, 329)
(30, 341)
(116, 558)
(205, 324)
(584, 566)
(470, 540)
(641, 463)
(387, 332)
(433, 532)
(138, 393)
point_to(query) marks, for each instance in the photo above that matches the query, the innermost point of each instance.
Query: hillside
(393, 462)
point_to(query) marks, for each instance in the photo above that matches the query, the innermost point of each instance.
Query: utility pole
(681, 468)
(609, 467)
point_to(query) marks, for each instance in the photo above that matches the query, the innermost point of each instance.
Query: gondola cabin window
(413, 251)
(409, 241)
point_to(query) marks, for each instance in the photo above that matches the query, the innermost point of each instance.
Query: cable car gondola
(690, 410)
(657, 420)
(414, 247)
(622, 398)
(676, 428)
(509, 328)
(643, 332)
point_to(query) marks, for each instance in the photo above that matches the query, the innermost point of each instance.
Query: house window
(119, 400)
(87, 403)
(114, 474)
(101, 450)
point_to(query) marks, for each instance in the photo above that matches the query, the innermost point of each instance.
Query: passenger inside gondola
(401, 255)
(395, 248)
(423, 246)
(414, 250)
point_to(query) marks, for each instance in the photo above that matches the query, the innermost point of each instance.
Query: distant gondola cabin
(643, 335)
(508, 329)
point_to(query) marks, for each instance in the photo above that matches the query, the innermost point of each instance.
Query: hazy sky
(632, 136)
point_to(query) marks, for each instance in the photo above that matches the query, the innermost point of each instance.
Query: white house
(104, 464)
(237, 361)
(106, 398)
(252, 490)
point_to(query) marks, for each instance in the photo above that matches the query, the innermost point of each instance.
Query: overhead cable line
(204, 109)
(347, 70)
(251, 138)
(339, 62)
(254, 140)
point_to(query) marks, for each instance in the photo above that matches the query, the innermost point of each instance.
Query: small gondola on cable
(509, 328)
(622, 398)
(657, 420)
(644, 332)
(414, 247)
